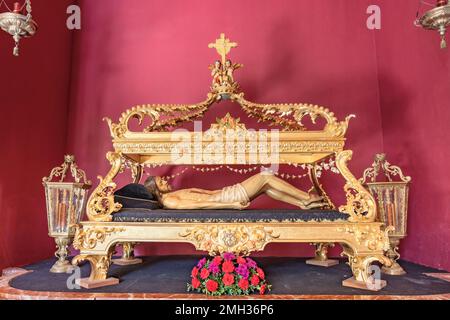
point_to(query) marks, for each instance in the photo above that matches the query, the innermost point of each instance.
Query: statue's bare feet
(245, 205)
(240, 205)
(312, 205)
(302, 205)
(317, 205)
(313, 198)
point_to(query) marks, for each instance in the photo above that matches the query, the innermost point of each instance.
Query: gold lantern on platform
(392, 204)
(66, 203)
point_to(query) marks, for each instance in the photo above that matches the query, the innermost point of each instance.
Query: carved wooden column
(99, 271)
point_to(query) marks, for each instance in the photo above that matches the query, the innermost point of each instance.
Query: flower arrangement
(228, 275)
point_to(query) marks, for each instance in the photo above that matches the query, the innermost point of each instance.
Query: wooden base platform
(322, 263)
(126, 262)
(352, 283)
(88, 284)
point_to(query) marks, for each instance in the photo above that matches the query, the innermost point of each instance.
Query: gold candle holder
(66, 203)
(392, 204)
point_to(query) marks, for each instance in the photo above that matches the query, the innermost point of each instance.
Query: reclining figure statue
(237, 196)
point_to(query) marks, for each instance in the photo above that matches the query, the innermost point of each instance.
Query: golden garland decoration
(329, 165)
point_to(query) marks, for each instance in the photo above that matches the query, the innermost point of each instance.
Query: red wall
(129, 53)
(33, 101)
(414, 80)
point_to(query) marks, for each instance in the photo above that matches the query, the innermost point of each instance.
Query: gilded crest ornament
(89, 238)
(222, 71)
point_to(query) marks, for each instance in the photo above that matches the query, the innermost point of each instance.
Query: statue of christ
(237, 196)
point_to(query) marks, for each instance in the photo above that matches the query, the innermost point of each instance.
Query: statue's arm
(219, 205)
(182, 204)
(209, 192)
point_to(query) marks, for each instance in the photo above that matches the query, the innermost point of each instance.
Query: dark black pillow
(135, 190)
(135, 203)
(136, 196)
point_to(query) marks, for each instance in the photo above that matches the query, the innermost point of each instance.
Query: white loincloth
(231, 194)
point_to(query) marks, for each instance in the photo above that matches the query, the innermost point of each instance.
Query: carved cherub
(223, 74)
(229, 69)
(216, 73)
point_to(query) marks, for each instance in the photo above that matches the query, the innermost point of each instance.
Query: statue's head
(218, 64)
(157, 185)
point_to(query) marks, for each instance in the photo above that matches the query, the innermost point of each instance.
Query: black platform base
(289, 276)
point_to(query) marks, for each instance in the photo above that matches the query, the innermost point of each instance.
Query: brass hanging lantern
(18, 24)
(66, 203)
(437, 19)
(392, 204)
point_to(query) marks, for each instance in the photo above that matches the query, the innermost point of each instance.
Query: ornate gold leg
(321, 256)
(128, 257)
(393, 255)
(62, 265)
(101, 203)
(360, 204)
(99, 271)
(365, 277)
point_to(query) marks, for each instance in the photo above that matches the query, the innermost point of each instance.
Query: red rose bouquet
(228, 275)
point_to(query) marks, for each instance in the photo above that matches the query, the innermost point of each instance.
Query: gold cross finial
(223, 46)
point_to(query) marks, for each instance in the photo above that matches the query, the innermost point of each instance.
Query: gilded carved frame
(155, 147)
(364, 241)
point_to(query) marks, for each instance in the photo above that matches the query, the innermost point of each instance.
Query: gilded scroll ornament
(99, 264)
(290, 116)
(161, 116)
(371, 237)
(360, 265)
(381, 164)
(236, 239)
(69, 164)
(360, 204)
(88, 238)
(101, 203)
